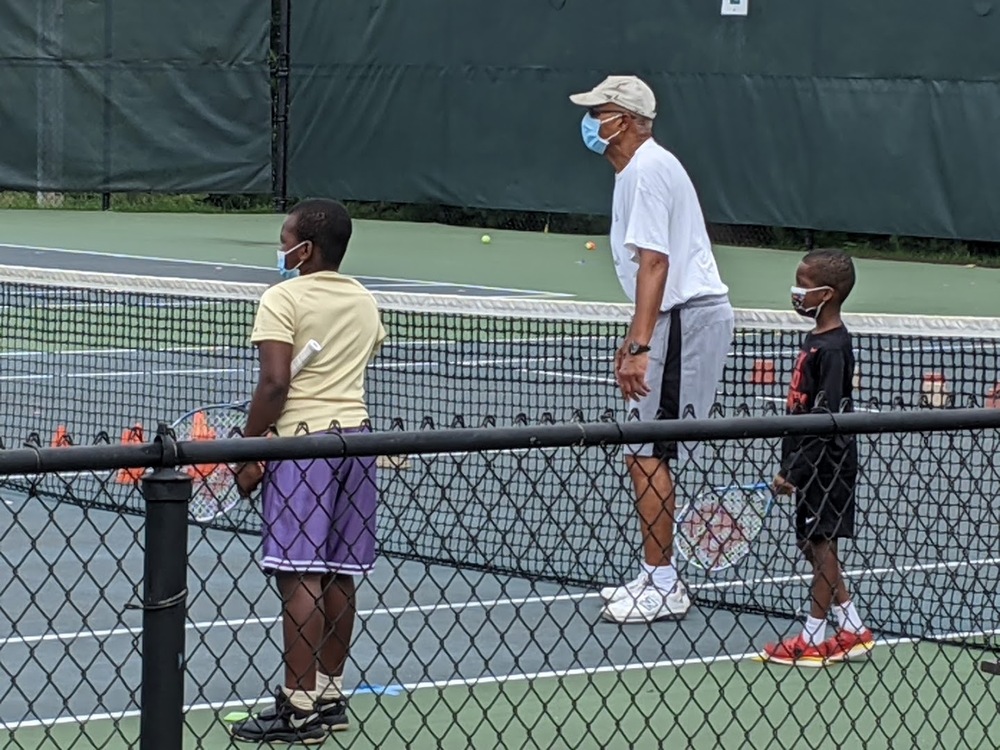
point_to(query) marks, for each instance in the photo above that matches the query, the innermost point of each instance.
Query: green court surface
(724, 703)
(759, 278)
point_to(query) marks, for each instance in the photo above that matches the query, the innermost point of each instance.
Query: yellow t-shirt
(342, 316)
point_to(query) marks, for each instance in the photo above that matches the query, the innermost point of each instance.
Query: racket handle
(310, 350)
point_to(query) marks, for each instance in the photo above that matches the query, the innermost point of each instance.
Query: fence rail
(481, 624)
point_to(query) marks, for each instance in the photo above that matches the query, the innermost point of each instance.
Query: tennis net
(92, 353)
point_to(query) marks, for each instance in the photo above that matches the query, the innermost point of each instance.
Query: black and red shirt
(822, 382)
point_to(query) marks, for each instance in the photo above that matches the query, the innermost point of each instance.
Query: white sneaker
(632, 589)
(649, 605)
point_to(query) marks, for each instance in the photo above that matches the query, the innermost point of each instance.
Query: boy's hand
(782, 486)
(248, 476)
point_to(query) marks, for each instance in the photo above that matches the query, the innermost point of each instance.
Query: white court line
(418, 343)
(481, 361)
(155, 373)
(377, 365)
(265, 621)
(110, 350)
(570, 376)
(26, 377)
(97, 374)
(244, 266)
(488, 679)
(480, 604)
(471, 363)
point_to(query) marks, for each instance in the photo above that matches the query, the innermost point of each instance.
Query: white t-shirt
(655, 207)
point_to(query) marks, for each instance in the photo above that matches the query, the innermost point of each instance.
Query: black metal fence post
(164, 580)
(281, 18)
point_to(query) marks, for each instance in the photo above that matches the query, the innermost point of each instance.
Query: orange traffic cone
(935, 391)
(61, 439)
(993, 397)
(201, 430)
(132, 435)
(763, 372)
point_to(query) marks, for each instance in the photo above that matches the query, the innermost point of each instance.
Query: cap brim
(588, 99)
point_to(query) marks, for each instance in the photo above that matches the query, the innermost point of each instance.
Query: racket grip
(310, 350)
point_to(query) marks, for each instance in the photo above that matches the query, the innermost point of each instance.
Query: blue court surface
(137, 265)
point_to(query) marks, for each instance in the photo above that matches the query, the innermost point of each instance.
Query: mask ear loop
(615, 116)
(292, 250)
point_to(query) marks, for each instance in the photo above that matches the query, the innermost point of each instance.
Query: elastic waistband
(710, 301)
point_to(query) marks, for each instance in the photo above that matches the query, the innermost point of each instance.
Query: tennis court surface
(481, 625)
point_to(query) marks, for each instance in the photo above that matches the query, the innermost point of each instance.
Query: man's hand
(248, 477)
(782, 486)
(630, 374)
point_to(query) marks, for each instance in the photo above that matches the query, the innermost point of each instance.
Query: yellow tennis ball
(591, 246)
(486, 239)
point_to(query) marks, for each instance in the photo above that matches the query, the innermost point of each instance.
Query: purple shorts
(319, 516)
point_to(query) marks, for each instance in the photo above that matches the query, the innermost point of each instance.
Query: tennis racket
(717, 527)
(214, 493)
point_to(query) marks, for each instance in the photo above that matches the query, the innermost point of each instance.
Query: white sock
(664, 577)
(301, 699)
(814, 632)
(848, 618)
(329, 688)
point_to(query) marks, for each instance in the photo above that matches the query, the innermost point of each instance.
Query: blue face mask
(288, 273)
(590, 129)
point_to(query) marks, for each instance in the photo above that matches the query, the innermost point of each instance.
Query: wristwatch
(634, 348)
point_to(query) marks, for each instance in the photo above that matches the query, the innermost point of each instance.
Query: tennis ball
(591, 246)
(486, 239)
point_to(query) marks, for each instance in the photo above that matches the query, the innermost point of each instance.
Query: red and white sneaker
(846, 645)
(795, 652)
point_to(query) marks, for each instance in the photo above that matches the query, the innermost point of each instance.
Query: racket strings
(717, 531)
(214, 492)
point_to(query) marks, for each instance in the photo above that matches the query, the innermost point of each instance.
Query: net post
(164, 579)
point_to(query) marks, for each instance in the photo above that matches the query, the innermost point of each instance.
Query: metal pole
(282, 77)
(164, 581)
(106, 130)
(50, 174)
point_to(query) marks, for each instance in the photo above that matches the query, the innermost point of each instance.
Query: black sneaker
(333, 714)
(283, 722)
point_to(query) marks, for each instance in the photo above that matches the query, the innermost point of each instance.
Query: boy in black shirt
(822, 472)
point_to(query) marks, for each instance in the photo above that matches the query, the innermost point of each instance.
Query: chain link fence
(483, 622)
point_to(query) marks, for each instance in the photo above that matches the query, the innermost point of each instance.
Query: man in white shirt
(672, 360)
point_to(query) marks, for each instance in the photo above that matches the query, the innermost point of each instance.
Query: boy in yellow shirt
(318, 514)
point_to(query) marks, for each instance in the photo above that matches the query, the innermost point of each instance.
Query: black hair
(327, 225)
(832, 268)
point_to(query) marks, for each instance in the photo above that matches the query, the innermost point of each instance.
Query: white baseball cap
(628, 92)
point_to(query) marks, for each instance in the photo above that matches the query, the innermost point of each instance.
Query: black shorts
(825, 509)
